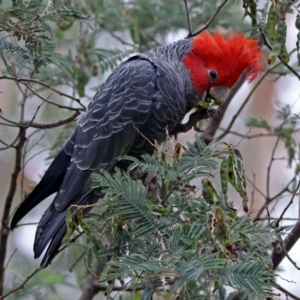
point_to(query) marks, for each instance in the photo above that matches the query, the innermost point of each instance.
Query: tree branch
(8, 202)
(280, 249)
(48, 101)
(23, 80)
(53, 124)
(91, 286)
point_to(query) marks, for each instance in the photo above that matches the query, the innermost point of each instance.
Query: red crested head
(215, 61)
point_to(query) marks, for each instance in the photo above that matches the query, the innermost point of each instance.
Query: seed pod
(297, 23)
(298, 48)
(271, 23)
(219, 217)
(220, 231)
(279, 42)
(284, 54)
(224, 176)
(245, 204)
(207, 191)
(70, 226)
(161, 210)
(241, 180)
(251, 8)
(85, 227)
(177, 151)
(231, 173)
(134, 32)
(238, 154)
(65, 23)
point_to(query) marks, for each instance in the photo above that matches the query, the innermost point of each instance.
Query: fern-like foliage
(27, 30)
(174, 240)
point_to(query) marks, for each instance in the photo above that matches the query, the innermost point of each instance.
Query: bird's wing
(110, 126)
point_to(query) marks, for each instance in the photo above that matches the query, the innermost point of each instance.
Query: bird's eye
(213, 74)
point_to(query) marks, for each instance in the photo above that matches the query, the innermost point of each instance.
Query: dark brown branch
(8, 203)
(91, 286)
(211, 18)
(53, 124)
(287, 293)
(280, 249)
(26, 124)
(12, 190)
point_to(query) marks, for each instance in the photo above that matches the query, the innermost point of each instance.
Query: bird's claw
(200, 114)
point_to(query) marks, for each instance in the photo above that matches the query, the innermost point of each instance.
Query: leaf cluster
(27, 31)
(175, 241)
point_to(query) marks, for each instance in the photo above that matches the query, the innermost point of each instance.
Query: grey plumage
(145, 96)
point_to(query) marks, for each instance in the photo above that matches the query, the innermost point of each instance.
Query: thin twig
(23, 80)
(249, 137)
(287, 293)
(270, 166)
(188, 18)
(26, 224)
(50, 102)
(21, 286)
(9, 125)
(117, 37)
(289, 258)
(286, 208)
(11, 145)
(8, 261)
(253, 191)
(211, 18)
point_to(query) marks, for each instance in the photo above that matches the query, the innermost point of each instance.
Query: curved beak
(217, 94)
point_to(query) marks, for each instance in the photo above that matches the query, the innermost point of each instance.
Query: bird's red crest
(229, 57)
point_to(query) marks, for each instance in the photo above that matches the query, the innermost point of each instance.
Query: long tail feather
(52, 228)
(49, 184)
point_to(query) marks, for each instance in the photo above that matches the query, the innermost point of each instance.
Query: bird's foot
(201, 114)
